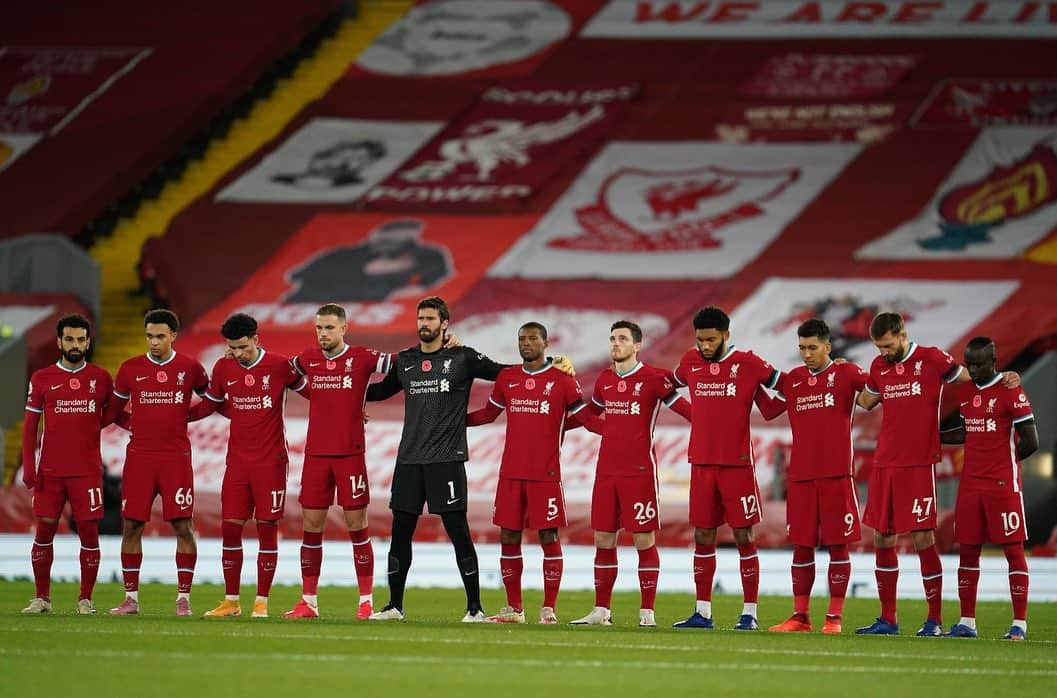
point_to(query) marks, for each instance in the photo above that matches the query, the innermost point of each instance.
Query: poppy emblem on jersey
(977, 401)
(75, 384)
(331, 365)
(714, 369)
(427, 365)
(812, 380)
(249, 380)
(900, 369)
(162, 376)
(622, 387)
(530, 384)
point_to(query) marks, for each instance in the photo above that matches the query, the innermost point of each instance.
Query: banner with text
(972, 102)
(828, 76)
(330, 160)
(698, 19)
(512, 140)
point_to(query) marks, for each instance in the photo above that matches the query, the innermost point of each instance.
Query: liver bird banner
(513, 139)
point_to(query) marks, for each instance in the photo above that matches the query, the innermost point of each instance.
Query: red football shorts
(989, 516)
(322, 476)
(824, 511)
(724, 494)
(148, 475)
(532, 504)
(625, 502)
(83, 492)
(901, 500)
(254, 491)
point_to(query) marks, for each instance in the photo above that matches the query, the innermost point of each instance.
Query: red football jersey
(160, 396)
(820, 408)
(536, 403)
(631, 402)
(990, 413)
(72, 404)
(338, 387)
(910, 391)
(256, 395)
(721, 395)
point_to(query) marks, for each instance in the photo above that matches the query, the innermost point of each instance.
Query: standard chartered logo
(267, 402)
(445, 385)
(829, 401)
(545, 408)
(346, 382)
(635, 409)
(732, 389)
(915, 388)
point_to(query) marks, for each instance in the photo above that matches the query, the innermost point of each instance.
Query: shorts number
(849, 521)
(358, 484)
(278, 496)
(184, 498)
(95, 497)
(451, 489)
(922, 512)
(644, 512)
(1010, 522)
(750, 505)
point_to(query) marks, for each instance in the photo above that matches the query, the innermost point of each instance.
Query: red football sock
(649, 571)
(932, 580)
(511, 565)
(553, 566)
(267, 556)
(311, 561)
(839, 576)
(89, 534)
(887, 574)
(605, 576)
(363, 558)
(1018, 579)
(231, 556)
(803, 570)
(185, 571)
(704, 570)
(750, 572)
(130, 564)
(968, 578)
(42, 554)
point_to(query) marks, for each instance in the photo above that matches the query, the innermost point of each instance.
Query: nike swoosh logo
(357, 496)
(276, 511)
(606, 387)
(452, 501)
(885, 373)
(847, 533)
(512, 385)
(695, 369)
(552, 518)
(56, 387)
(796, 384)
(185, 507)
(408, 369)
(964, 403)
(232, 382)
(923, 519)
(97, 507)
(141, 378)
(313, 365)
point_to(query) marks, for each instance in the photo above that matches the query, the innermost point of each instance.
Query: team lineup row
(151, 396)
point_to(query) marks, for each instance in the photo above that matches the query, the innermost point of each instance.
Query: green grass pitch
(431, 654)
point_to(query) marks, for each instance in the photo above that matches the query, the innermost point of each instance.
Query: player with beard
(901, 497)
(541, 402)
(990, 507)
(70, 397)
(723, 382)
(335, 467)
(431, 460)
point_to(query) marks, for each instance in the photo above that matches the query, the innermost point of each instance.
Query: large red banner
(377, 266)
(510, 142)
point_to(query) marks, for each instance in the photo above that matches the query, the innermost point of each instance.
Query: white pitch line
(467, 640)
(516, 661)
